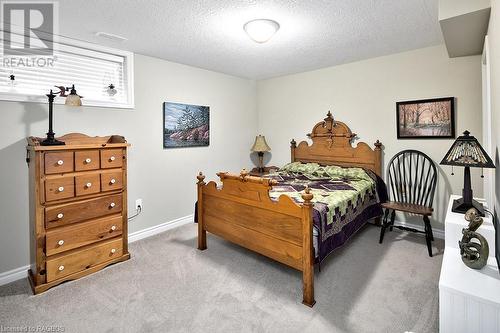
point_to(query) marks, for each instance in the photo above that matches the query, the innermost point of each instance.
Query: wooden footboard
(243, 213)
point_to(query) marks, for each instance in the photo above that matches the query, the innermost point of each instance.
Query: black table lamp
(467, 152)
(72, 99)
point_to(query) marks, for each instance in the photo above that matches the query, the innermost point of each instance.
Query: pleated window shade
(89, 67)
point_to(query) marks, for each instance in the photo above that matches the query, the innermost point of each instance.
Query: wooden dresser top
(79, 141)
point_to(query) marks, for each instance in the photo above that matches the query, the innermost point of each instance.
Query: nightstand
(255, 171)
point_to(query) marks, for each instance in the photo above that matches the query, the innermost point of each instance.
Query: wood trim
(79, 141)
(82, 210)
(277, 249)
(202, 234)
(125, 203)
(307, 250)
(37, 217)
(242, 212)
(37, 289)
(82, 234)
(332, 145)
(45, 201)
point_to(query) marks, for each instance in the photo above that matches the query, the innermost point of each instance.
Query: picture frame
(185, 125)
(426, 118)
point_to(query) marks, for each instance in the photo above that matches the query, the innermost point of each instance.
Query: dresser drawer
(86, 160)
(111, 158)
(81, 234)
(79, 260)
(83, 210)
(111, 181)
(58, 162)
(59, 188)
(87, 184)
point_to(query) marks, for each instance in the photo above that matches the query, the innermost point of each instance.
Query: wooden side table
(255, 171)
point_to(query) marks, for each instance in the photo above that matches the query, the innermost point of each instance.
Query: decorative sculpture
(473, 246)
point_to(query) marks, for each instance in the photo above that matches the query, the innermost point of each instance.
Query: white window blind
(89, 67)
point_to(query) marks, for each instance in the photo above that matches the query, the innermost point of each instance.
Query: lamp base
(52, 142)
(51, 139)
(460, 206)
(261, 161)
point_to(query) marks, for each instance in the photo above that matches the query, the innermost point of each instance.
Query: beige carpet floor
(169, 286)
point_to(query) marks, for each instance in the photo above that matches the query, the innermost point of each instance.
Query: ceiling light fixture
(261, 30)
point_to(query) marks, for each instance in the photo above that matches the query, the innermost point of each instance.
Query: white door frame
(489, 186)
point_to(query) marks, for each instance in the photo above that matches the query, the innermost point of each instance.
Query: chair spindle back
(412, 178)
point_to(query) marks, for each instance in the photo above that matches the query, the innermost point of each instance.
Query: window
(91, 68)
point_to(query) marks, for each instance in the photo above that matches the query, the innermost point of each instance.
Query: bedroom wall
(494, 42)
(164, 179)
(364, 95)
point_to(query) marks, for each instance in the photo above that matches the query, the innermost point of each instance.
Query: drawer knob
(113, 227)
(60, 243)
(113, 251)
(60, 215)
(88, 160)
(61, 188)
(60, 162)
(112, 205)
(112, 181)
(88, 185)
(112, 158)
(61, 268)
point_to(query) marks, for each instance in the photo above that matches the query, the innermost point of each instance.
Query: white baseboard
(157, 229)
(13, 275)
(438, 233)
(22, 272)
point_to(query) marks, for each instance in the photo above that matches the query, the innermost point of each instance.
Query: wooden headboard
(332, 146)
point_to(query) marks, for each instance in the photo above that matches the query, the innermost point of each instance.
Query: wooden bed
(243, 213)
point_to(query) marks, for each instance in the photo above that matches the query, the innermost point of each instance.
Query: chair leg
(393, 217)
(384, 225)
(428, 235)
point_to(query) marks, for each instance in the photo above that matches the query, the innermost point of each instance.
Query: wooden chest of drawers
(78, 207)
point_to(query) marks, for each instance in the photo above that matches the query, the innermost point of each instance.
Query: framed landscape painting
(185, 125)
(428, 118)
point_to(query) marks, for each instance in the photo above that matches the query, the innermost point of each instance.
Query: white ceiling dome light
(261, 30)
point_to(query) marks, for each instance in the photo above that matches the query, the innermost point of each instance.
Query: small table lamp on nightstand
(260, 146)
(467, 152)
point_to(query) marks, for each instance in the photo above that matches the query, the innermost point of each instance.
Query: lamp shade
(466, 151)
(73, 99)
(260, 144)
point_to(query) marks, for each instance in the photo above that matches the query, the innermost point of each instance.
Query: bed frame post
(293, 145)
(378, 158)
(307, 249)
(202, 233)
(378, 169)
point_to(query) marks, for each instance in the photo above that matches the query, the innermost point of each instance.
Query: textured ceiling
(209, 33)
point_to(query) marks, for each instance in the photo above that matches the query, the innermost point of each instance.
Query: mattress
(344, 200)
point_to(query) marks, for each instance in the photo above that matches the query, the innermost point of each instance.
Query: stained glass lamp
(467, 152)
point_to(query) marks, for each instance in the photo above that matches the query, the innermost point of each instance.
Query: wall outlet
(138, 203)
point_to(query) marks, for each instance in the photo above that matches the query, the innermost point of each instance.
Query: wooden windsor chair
(412, 177)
